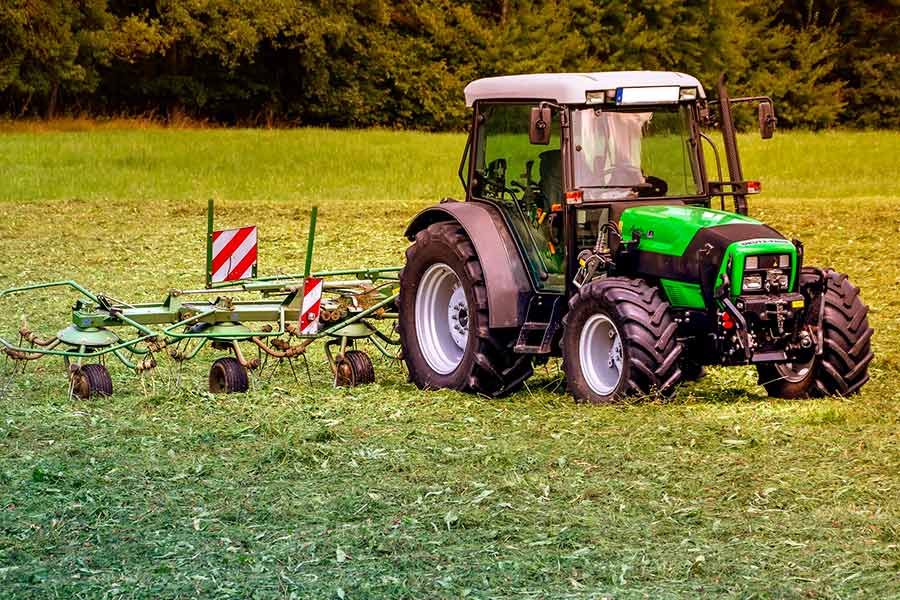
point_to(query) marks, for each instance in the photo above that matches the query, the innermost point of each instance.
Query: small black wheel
(843, 367)
(228, 376)
(619, 340)
(354, 368)
(91, 380)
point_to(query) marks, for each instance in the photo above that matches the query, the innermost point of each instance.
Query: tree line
(358, 63)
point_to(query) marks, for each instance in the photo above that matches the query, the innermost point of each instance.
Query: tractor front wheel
(619, 340)
(444, 319)
(843, 366)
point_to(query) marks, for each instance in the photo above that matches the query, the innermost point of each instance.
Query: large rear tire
(843, 367)
(444, 319)
(620, 340)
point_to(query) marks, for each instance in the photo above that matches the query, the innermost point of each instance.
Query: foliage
(354, 63)
(307, 491)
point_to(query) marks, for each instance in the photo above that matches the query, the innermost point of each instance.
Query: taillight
(574, 197)
(754, 187)
(727, 323)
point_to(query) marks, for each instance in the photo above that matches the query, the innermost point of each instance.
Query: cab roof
(570, 88)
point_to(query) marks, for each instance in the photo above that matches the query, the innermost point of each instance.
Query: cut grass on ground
(296, 490)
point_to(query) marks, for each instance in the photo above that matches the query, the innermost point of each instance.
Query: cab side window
(525, 181)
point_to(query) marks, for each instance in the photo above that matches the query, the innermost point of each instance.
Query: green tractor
(590, 230)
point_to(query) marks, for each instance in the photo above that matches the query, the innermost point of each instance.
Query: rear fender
(505, 277)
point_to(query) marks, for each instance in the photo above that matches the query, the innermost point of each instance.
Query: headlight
(752, 283)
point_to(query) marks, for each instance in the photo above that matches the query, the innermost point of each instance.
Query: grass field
(384, 491)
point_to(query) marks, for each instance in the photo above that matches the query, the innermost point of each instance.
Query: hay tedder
(276, 318)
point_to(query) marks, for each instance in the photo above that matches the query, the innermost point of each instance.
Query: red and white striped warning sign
(312, 301)
(234, 254)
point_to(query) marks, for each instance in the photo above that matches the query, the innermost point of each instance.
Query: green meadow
(301, 490)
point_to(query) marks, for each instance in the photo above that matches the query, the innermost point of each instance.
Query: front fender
(505, 276)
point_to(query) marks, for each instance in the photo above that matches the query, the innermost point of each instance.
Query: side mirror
(767, 120)
(539, 129)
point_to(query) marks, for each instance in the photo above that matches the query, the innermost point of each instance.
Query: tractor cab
(560, 155)
(594, 228)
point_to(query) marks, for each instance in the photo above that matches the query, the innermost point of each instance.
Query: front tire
(444, 319)
(619, 340)
(843, 367)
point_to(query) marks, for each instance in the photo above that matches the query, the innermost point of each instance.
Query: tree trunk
(51, 101)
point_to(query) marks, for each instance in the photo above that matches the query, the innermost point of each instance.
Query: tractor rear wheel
(619, 340)
(444, 319)
(228, 376)
(91, 380)
(843, 367)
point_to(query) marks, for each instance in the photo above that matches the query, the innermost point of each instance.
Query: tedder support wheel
(354, 368)
(843, 367)
(619, 340)
(444, 319)
(228, 376)
(91, 380)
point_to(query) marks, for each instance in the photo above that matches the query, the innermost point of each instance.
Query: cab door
(525, 182)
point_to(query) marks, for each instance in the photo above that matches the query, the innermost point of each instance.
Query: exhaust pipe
(729, 138)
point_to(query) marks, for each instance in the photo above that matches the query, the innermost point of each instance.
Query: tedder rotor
(256, 320)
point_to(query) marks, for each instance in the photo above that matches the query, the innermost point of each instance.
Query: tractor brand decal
(760, 241)
(234, 254)
(312, 301)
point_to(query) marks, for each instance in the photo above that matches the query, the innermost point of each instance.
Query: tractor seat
(551, 177)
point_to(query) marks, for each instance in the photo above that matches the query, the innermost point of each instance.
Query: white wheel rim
(442, 318)
(793, 372)
(600, 354)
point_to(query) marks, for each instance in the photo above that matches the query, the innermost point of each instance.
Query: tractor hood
(693, 245)
(668, 229)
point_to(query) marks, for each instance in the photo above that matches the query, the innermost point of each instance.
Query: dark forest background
(349, 63)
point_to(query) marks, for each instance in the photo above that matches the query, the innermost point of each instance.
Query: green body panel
(669, 229)
(738, 251)
(682, 294)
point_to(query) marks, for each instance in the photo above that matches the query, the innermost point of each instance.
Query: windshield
(631, 154)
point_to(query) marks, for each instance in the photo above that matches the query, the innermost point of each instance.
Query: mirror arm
(563, 118)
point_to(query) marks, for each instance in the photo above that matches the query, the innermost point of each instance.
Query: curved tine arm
(20, 355)
(10, 347)
(39, 286)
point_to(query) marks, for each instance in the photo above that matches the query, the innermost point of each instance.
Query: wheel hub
(458, 316)
(615, 353)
